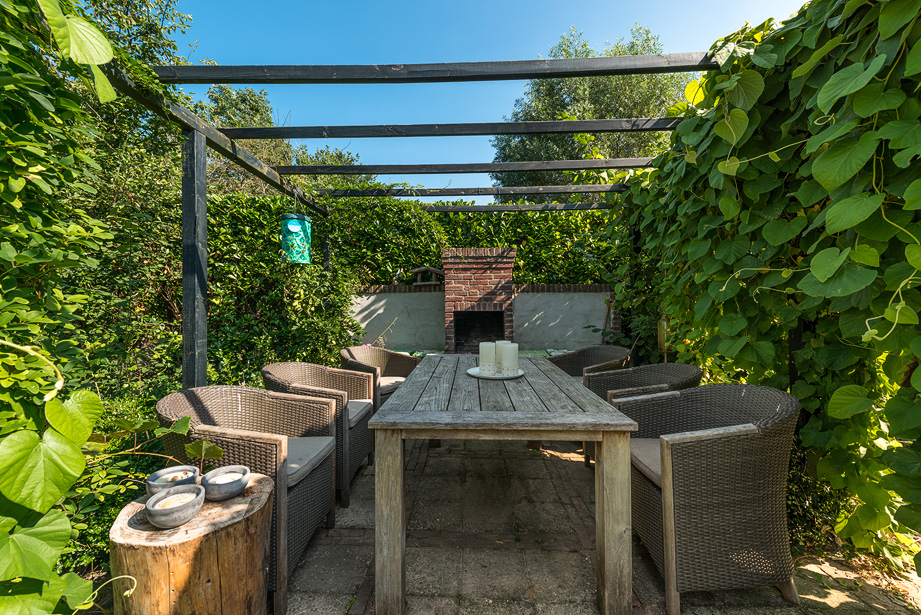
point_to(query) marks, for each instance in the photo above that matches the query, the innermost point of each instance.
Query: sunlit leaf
(849, 400)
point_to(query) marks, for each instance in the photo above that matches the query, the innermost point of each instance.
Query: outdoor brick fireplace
(478, 296)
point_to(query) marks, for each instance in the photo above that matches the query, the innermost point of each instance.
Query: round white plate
(475, 372)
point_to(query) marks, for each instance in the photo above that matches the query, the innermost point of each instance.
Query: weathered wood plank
(551, 395)
(669, 540)
(501, 434)
(577, 393)
(493, 396)
(474, 167)
(465, 397)
(538, 207)
(437, 392)
(614, 542)
(405, 398)
(521, 391)
(216, 140)
(441, 72)
(504, 421)
(482, 191)
(194, 260)
(469, 129)
(389, 523)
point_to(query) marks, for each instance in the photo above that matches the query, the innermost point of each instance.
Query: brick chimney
(477, 280)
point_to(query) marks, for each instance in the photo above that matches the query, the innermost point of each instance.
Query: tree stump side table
(215, 563)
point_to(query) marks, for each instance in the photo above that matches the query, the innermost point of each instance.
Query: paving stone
(513, 446)
(300, 603)
(648, 584)
(495, 575)
(527, 468)
(751, 597)
(567, 608)
(434, 515)
(331, 569)
(560, 577)
(821, 594)
(495, 607)
(542, 518)
(433, 571)
(487, 467)
(480, 516)
(487, 488)
(444, 466)
(428, 605)
(482, 446)
(359, 514)
(441, 488)
(362, 488)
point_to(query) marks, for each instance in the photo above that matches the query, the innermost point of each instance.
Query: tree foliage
(583, 98)
(783, 222)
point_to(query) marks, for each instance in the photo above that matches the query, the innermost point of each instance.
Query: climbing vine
(783, 226)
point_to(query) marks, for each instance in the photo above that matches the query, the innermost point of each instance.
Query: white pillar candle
(499, 345)
(509, 354)
(487, 358)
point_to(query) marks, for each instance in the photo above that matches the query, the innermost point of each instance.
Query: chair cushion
(389, 384)
(577, 379)
(645, 453)
(358, 408)
(305, 454)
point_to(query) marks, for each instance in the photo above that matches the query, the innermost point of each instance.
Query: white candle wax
(509, 354)
(487, 352)
(499, 345)
(176, 500)
(228, 477)
(174, 476)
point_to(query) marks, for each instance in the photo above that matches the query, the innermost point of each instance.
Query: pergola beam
(215, 139)
(490, 191)
(476, 167)
(476, 129)
(441, 72)
(538, 207)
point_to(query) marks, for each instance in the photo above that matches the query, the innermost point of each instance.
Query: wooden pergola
(200, 134)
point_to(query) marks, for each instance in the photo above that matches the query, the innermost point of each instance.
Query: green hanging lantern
(295, 238)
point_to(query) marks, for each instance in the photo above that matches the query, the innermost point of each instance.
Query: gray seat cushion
(646, 456)
(389, 384)
(305, 454)
(358, 408)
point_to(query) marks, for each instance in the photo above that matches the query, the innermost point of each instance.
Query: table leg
(613, 541)
(389, 523)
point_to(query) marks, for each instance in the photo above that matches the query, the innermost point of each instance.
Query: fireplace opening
(471, 328)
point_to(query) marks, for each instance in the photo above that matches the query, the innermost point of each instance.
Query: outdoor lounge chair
(290, 438)
(592, 359)
(641, 380)
(390, 368)
(351, 391)
(709, 485)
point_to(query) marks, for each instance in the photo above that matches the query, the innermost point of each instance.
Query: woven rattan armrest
(710, 434)
(636, 392)
(607, 366)
(302, 416)
(358, 384)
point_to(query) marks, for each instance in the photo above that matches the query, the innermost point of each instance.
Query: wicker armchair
(709, 484)
(592, 359)
(290, 438)
(352, 393)
(641, 380)
(390, 368)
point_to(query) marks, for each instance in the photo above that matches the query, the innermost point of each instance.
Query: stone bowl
(153, 487)
(217, 491)
(174, 516)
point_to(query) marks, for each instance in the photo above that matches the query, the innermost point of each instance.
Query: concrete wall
(416, 320)
(543, 320)
(558, 319)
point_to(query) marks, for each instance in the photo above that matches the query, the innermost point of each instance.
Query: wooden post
(194, 260)
(215, 563)
(389, 523)
(669, 539)
(613, 540)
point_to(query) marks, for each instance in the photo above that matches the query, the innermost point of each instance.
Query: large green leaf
(873, 519)
(202, 449)
(849, 400)
(913, 60)
(896, 14)
(729, 251)
(27, 597)
(87, 44)
(904, 460)
(847, 81)
(875, 98)
(913, 255)
(825, 263)
(912, 195)
(75, 417)
(732, 324)
(779, 232)
(732, 127)
(843, 159)
(32, 549)
(73, 589)
(901, 133)
(830, 134)
(909, 515)
(37, 472)
(851, 211)
(746, 91)
(849, 279)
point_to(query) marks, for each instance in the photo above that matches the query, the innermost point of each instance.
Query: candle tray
(475, 372)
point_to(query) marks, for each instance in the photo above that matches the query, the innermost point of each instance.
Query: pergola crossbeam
(441, 72)
(485, 191)
(474, 129)
(484, 167)
(538, 207)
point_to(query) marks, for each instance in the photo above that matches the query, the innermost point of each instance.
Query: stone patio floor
(497, 529)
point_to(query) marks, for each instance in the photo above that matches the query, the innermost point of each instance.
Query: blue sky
(286, 32)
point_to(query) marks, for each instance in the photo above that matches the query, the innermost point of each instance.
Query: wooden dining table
(439, 400)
